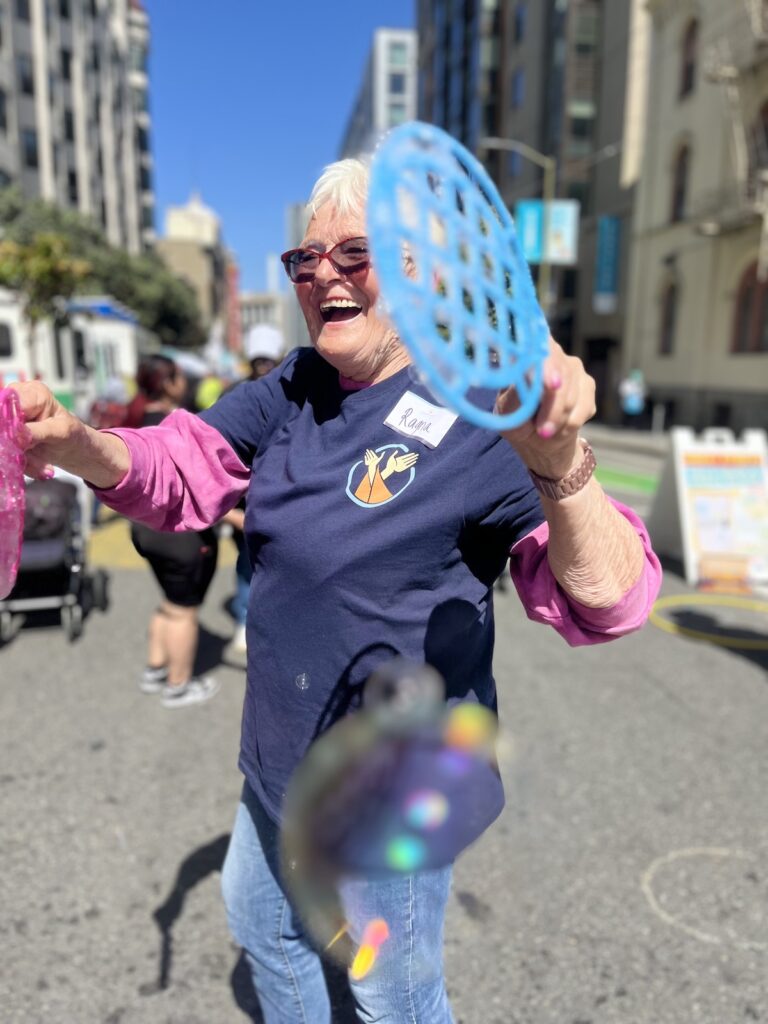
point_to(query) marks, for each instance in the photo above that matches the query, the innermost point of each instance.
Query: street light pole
(549, 166)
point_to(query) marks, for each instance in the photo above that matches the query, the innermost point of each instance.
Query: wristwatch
(572, 482)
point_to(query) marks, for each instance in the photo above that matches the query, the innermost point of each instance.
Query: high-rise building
(259, 308)
(698, 315)
(194, 249)
(387, 95)
(74, 112)
(457, 56)
(294, 324)
(552, 76)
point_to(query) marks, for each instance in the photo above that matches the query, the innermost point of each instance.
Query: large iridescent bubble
(402, 785)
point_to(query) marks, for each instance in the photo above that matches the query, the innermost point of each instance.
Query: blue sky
(249, 101)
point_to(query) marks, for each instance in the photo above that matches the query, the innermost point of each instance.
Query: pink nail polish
(555, 381)
(546, 430)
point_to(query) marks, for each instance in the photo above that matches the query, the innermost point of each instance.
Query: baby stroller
(52, 570)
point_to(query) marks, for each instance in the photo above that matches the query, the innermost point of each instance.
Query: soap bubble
(404, 784)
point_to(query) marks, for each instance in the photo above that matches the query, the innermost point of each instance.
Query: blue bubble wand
(453, 276)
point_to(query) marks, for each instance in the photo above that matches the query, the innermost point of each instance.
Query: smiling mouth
(339, 310)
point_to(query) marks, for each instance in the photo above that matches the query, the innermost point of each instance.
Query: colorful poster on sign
(726, 506)
(563, 233)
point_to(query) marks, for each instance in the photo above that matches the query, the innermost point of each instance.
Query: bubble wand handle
(12, 496)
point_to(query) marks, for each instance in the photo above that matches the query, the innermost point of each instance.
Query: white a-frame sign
(711, 509)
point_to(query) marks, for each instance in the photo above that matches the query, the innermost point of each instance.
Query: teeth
(339, 304)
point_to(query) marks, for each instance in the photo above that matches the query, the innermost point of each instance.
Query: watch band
(572, 482)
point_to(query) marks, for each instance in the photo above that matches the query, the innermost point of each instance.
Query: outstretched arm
(179, 475)
(594, 552)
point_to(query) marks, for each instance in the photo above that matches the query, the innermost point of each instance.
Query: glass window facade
(397, 83)
(398, 55)
(29, 148)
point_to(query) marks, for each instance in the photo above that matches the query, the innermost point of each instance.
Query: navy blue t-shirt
(354, 565)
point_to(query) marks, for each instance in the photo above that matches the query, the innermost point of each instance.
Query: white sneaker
(194, 691)
(153, 680)
(238, 643)
(237, 649)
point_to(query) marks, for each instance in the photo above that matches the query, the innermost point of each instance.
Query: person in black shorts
(183, 563)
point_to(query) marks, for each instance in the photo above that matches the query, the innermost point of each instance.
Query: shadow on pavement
(210, 650)
(700, 622)
(194, 869)
(197, 866)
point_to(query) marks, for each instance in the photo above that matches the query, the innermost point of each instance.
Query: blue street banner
(605, 296)
(529, 221)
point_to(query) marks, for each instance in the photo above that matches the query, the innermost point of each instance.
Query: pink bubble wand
(12, 496)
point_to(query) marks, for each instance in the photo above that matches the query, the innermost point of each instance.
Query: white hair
(344, 184)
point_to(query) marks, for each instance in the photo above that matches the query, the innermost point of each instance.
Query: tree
(164, 304)
(45, 275)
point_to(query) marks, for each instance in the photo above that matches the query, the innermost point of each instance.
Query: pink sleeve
(545, 601)
(183, 475)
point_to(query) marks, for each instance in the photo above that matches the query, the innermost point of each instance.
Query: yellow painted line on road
(110, 547)
(718, 600)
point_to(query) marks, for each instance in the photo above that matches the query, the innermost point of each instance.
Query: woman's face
(341, 311)
(176, 386)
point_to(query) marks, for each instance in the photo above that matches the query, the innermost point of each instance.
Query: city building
(74, 110)
(257, 308)
(457, 66)
(387, 95)
(604, 177)
(697, 321)
(294, 324)
(193, 248)
(515, 81)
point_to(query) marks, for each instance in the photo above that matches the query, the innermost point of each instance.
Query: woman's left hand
(548, 443)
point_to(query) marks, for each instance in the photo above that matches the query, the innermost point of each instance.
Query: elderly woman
(365, 543)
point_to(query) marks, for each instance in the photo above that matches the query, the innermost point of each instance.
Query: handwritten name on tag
(415, 417)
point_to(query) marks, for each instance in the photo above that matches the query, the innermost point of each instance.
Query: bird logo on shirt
(381, 475)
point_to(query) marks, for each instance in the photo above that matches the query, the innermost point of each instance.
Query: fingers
(38, 468)
(35, 399)
(568, 400)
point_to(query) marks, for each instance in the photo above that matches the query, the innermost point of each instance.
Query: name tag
(415, 417)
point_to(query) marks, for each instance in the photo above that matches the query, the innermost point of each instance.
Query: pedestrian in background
(366, 545)
(632, 395)
(183, 562)
(109, 409)
(264, 347)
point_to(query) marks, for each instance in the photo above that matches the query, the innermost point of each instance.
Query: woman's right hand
(55, 437)
(51, 430)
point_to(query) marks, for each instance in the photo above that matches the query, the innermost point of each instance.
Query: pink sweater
(185, 476)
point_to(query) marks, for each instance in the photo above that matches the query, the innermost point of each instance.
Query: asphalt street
(626, 882)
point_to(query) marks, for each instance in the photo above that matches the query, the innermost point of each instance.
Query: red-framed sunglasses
(347, 257)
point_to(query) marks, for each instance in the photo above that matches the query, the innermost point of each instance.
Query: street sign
(712, 507)
(561, 245)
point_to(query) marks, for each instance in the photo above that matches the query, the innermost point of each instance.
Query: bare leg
(157, 652)
(180, 640)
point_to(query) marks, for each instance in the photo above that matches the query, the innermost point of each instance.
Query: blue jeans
(405, 986)
(243, 574)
